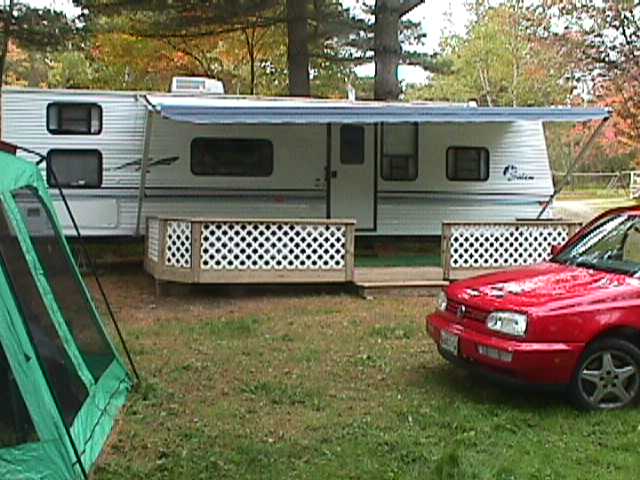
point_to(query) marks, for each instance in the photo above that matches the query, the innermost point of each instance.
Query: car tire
(607, 376)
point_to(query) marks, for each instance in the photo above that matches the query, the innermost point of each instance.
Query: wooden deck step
(409, 289)
(394, 281)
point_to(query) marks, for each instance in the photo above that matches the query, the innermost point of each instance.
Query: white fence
(624, 182)
(474, 247)
(249, 251)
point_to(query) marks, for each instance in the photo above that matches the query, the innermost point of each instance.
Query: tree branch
(211, 33)
(407, 5)
(190, 54)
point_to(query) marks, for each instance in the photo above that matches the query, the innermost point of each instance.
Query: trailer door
(352, 175)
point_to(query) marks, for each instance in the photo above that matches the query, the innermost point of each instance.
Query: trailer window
(74, 168)
(467, 164)
(351, 145)
(74, 118)
(232, 157)
(399, 152)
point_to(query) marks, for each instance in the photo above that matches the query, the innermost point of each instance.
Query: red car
(572, 322)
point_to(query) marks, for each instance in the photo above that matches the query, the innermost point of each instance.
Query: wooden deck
(398, 281)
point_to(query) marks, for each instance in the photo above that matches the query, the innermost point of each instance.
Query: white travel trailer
(397, 168)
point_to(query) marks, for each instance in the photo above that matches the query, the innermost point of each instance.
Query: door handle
(334, 174)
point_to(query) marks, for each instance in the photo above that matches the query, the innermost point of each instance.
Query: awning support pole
(143, 169)
(578, 159)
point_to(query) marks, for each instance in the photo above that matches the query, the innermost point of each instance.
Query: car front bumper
(549, 364)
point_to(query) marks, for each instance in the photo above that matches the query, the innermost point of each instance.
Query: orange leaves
(622, 97)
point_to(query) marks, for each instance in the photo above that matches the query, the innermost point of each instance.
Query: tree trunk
(486, 86)
(298, 47)
(251, 52)
(387, 49)
(6, 34)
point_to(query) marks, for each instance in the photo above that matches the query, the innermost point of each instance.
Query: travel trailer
(396, 168)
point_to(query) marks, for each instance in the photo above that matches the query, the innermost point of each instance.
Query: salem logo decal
(512, 173)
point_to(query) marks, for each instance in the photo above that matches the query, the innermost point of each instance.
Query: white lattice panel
(488, 246)
(272, 246)
(178, 244)
(153, 240)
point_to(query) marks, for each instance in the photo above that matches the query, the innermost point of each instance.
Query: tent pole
(143, 169)
(577, 160)
(85, 474)
(94, 271)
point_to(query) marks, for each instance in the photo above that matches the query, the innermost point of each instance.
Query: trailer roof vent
(196, 85)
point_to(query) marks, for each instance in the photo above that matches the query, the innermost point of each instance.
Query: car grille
(470, 312)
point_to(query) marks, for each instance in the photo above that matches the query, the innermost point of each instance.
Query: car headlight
(511, 323)
(442, 301)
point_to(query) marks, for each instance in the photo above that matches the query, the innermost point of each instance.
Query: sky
(435, 16)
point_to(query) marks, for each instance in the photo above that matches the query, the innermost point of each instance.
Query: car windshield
(612, 245)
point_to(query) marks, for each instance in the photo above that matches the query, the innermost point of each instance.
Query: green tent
(61, 382)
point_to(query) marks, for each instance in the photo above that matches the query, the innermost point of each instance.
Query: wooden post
(146, 242)
(161, 288)
(196, 246)
(162, 242)
(445, 254)
(573, 227)
(349, 261)
(160, 266)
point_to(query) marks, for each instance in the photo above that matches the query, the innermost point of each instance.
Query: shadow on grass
(455, 382)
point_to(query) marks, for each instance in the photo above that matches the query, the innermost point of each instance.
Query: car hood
(546, 286)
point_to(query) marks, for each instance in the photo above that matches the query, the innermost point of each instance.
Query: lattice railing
(178, 244)
(490, 246)
(250, 251)
(272, 246)
(153, 239)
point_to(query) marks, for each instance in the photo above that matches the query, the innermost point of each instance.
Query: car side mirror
(555, 250)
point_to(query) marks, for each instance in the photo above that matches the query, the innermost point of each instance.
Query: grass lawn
(292, 383)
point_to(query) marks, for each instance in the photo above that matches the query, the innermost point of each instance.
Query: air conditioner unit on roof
(196, 85)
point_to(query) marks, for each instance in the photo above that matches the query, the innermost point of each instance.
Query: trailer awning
(225, 110)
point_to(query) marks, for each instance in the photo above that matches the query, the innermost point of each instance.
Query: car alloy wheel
(608, 376)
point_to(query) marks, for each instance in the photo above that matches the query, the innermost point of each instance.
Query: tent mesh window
(16, 426)
(65, 284)
(64, 381)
